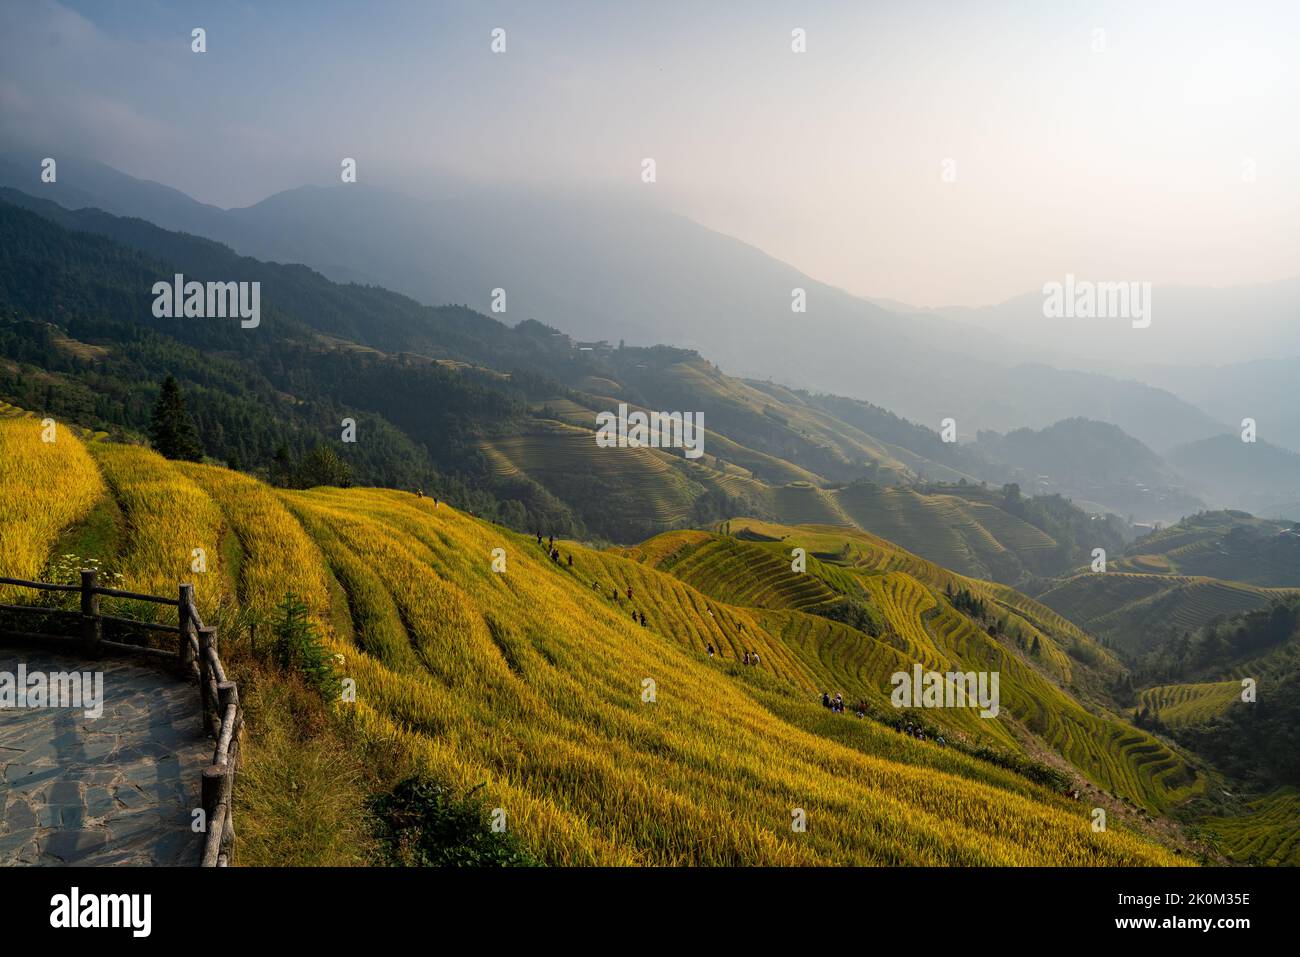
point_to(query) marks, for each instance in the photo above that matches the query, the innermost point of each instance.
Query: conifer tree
(171, 428)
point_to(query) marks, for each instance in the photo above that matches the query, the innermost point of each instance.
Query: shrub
(423, 824)
(856, 614)
(297, 646)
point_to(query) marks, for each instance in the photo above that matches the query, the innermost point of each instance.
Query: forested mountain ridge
(649, 275)
(499, 417)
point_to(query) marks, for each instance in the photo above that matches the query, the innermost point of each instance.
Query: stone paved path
(118, 789)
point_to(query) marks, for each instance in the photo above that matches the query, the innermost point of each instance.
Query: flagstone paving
(118, 789)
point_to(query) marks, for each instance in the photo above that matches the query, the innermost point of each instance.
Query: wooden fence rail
(195, 656)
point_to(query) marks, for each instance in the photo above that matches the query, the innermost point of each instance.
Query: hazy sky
(1169, 155)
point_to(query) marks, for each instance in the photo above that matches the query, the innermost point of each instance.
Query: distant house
(602, 346)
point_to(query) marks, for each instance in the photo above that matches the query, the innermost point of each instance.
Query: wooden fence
(193, 654)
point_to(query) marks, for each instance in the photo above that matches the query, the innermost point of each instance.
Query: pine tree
(171, 428)
(282, 466)
(322, 466)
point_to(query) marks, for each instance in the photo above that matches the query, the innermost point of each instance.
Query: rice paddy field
(804, 504)
(533, 681)
(45, 486)
(653, 490)
(1268, 834)
(1227, 545)
(970, 537)
(925, 627)
(1181, 705)
(1128, 608)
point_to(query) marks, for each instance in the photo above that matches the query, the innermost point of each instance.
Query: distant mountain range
(1095, 463)
(1204, 345)
(1256, 476)
(1190, 325)
(605, 267)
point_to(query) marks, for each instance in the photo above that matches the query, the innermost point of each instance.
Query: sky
(934, 153)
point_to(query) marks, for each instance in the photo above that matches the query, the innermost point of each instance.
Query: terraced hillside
(1134, 611)
(768, 418)
(803, 504)
(924, 625)
(975, 539)
(531, 680)
(1062, 642)
(638, 488)
(747, 574)
(720, 452)
(1266, 834)
(1228, 545)
(789, 457)
(1250, 742)
(1181, 705)
(652, 490)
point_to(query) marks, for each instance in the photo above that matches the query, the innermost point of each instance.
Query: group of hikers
(549, 547)
(614, 596)
(750, 659)
(918, 732)
(836, 704)
(551, 551)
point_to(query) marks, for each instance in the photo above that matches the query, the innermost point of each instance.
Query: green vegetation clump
(964, 601)
(856, 614)
(423, 824)
(297, 646)
(171, 427)
(320, 466)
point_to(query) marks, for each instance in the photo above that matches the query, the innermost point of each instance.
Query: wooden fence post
(227, 694)
(186, 651)
(92, 627)
(215, 795)
(207, 639)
